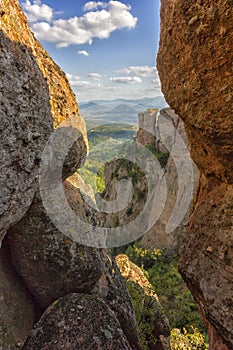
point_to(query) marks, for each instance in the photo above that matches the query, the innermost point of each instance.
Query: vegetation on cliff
(188, 329)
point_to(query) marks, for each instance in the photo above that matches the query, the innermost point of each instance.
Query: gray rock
(24, 113)
(50, 263)
(77, 321)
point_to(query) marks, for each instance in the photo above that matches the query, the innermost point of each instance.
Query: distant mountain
(98, 112)
(86, 105)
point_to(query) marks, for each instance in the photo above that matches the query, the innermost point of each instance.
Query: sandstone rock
(206, 258)
(111, 287)
(16, 306)
(63, 104)
(152, 314)
(195, 67)
(77, 321)
(50, 263)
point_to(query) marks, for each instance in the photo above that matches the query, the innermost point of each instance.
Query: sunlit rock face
(195, 66)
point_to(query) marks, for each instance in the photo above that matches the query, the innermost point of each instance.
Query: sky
(106, 48)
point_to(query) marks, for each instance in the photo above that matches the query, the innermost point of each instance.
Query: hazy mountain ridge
(118, 110)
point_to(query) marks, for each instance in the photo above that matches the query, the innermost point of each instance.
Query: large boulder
(51, 264)
(77, 321)
(195, 67)
(206, 258)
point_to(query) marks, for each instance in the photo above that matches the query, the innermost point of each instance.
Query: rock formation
(36, 98)
(157, 236)
(195, 66)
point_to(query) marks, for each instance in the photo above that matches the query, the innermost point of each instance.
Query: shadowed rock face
(16, 306)
(111, 287)
(195, 66)
(78, 321)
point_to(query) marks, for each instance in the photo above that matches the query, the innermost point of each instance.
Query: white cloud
(94, 24)
(139, 71)
(126, 80)
(95, 76)
(93, 5)
(83, 53)
(36, 11)
(75, 80)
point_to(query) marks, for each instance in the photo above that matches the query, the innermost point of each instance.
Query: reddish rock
(195, 67)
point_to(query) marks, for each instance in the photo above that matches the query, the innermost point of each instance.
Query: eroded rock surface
(78, 321)
(158, 236)
(26, 122)
(195, 66)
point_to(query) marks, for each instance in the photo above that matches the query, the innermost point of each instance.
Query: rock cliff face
(195, 66)
(157, 237)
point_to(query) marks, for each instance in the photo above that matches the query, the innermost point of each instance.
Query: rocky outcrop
(77, 321)
(63, 102)
(158, 236)
(147, 127)
(195, 67)
(150, 311)
(36, 98)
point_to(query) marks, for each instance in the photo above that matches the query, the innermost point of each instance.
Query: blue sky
(106, 48)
